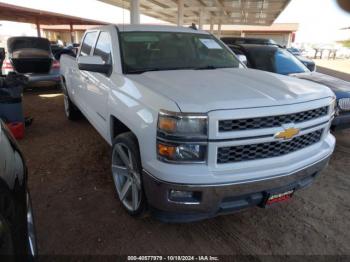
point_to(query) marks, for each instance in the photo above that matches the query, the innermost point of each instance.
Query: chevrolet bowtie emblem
(287, 134)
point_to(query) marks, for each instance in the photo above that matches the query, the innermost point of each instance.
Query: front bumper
(341, 121)
(220, 199)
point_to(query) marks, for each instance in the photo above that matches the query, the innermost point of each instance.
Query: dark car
(247, 40)
(262, 41)
(33, 57)
(2, 56)
(278, 60)
(17, 235)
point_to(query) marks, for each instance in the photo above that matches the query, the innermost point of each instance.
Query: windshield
(156, 51)
(277, 61)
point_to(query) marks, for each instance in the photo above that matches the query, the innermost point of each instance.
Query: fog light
(187, 197)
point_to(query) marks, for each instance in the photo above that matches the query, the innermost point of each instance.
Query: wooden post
(38, 31)
(71, 32)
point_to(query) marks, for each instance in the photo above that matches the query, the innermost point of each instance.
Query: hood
(340, 87)
(230, 88)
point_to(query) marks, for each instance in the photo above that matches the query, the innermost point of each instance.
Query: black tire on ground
(14, 223)
(71, 111)
(129, 141)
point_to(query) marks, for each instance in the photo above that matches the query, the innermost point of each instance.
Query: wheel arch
(117, 127)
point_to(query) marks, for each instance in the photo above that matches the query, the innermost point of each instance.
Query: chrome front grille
(234, 154)
(271, 121)
(344, 104)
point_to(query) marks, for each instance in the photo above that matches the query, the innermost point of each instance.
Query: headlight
(181, 153)
(182, 125)
(182, 137)
(344, 104)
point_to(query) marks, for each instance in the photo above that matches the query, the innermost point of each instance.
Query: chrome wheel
(30, 228)
(66, 104)
(127, 179)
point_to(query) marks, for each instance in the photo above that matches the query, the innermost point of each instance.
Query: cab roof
(151, 28)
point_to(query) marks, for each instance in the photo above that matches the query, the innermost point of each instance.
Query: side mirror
(93, 64)
(311, 66)
(243, 59)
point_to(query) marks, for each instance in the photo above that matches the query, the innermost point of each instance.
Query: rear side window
(88, 43)
(103, 48)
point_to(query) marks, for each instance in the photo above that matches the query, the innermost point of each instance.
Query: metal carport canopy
(244, 12)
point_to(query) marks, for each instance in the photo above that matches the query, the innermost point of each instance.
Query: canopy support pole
(219, 29)
(211, 25)
(71, 33)
(180, 12)
(135, 12)
(38, 30)
(201, 19)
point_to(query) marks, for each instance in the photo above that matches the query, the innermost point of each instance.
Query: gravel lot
(77, 212)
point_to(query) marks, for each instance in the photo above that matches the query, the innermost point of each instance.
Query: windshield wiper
(208, 67)
(144, 70)
(211, 67)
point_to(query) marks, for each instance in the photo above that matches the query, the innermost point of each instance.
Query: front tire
(126, 171)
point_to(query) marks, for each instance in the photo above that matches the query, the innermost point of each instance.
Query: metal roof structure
(244, 12)
(16, 13)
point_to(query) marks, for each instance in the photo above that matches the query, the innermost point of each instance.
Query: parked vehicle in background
(278, 60)
(34, 53)
(247, 40)
(17, 234)
(261, 41)
(295, 51)
(2, 56)
(194, 132)
(55, 49)
(68, 50)
(306, 61)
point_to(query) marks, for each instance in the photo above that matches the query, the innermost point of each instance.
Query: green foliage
(345, 43)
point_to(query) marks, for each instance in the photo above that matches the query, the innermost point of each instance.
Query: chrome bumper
(224, 198)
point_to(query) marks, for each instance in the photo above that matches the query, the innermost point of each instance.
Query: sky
(319, 20)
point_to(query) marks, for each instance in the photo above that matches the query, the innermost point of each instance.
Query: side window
(88, 43)
(103, 48)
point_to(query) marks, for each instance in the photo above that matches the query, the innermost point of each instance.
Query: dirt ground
(338, 65)
(77, 212)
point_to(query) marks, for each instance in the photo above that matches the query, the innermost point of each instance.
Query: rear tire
(126, 172)
(71, 111)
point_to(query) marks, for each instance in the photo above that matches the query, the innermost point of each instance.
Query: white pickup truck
(194, 132)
